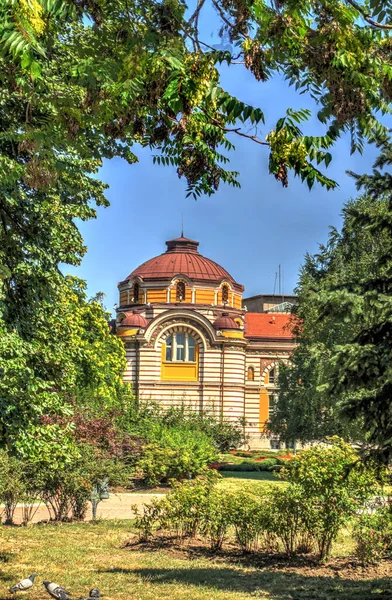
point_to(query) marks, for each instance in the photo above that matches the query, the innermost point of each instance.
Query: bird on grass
(94, 594)
(56, 591)
(23, 585)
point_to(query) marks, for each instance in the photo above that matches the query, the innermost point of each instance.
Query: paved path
(118, 506)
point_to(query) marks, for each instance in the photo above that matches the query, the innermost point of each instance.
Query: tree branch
(223, 16)
(245, 135)
(367, 16)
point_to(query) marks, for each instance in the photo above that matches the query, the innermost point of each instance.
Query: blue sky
(249, 231)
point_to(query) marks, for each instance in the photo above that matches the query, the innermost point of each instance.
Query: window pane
(169, 345)
(272, 405)
(180, 339)
(191, 349)
(272, 376)
(180, 353)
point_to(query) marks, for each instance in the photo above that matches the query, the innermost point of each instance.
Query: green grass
(80, 556)
(251, 481)
(256, 475)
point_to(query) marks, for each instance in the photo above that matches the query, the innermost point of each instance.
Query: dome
(183, 258)
(225, 322)
(133, 319)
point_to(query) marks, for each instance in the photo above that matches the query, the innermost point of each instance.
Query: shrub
(181, 512)
(12, 486)
(66, 493)
(248, 517)
(176, 454)
(241, 467)
(269, 464)
(373, 537)
(286, 517)
(216, 518)
(224, 433)
(333, 486)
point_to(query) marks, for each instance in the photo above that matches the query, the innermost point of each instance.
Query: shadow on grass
(277, 585)
(5, 557)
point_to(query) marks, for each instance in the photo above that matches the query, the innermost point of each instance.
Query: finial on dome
(182, 225)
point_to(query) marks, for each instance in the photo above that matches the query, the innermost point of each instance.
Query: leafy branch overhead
(86, 80)
(99, 76)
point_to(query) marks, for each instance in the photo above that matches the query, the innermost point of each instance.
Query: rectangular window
(169, 352)
(271, 405)
(180, 346)
(191, 349)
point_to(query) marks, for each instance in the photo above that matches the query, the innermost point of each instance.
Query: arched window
(180, 347)
(135, 293)
(180, 291)
(225, 293)
(251, 374)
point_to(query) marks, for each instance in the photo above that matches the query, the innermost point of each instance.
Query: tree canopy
(86, 80)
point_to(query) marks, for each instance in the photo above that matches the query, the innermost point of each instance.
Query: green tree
(81, 81)
(313, 397)
(360, 367)
(70, 358)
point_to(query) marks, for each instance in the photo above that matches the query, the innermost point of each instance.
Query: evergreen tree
(332, 314)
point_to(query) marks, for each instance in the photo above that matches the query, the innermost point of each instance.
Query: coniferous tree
(330, 387)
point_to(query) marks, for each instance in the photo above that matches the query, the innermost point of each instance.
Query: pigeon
(23, 585)
(94, 594)
(56, 591)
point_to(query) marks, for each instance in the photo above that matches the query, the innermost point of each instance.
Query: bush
(191, 507)
(333, 486)
(373, 537)
(242, 467)
(326, 487)
(248, 517)
(216, 518)
(270, 464)
(66, 493)
(181, 512)
(224, 433)
(175, 454)
(286, 519)
(12, 486)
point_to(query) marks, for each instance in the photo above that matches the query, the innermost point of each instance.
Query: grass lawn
(81, 556)
(251, 481)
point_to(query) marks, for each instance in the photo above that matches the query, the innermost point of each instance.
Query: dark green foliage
(341, 375)
(335, 304)
(270, 464)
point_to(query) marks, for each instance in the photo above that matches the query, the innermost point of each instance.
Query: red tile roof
(271, 326)
(225, 322)
(133, 319)
(182, 258)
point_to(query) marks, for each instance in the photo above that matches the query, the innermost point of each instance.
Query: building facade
(188, 339)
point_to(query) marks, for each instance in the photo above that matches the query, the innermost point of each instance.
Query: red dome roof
(225, 322)
(134, 319)
(182, 258)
